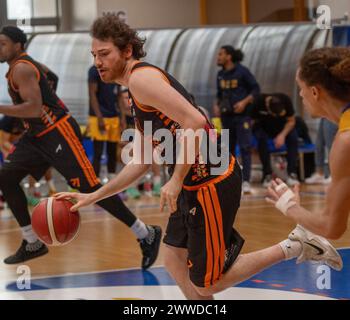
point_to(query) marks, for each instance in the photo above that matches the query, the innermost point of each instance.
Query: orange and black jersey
(52, 109)
(200, 171)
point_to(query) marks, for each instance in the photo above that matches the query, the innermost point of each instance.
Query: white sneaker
(328, 180)
(316, 248)
(316, 178)
(292, 180)
(246, 188)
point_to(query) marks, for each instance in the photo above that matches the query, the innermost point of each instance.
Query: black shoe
(27, 252)
(150, 246)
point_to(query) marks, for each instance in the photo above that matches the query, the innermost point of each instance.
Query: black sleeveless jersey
(200, 172)
(52, 109)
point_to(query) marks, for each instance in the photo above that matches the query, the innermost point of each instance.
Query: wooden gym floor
(106, 244)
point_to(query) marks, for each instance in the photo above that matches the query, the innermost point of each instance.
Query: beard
(115, 72)
(119, 68)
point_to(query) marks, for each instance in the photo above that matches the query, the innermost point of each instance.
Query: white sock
(28, 234)
(157, 180)
(291, 249)
(140, 230)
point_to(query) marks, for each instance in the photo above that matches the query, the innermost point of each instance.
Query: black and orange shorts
(203, 224)
(59, 147)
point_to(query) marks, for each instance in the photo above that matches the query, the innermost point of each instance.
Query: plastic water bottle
(279, 167)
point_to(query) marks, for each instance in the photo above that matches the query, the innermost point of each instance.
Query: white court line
(102, 219)
(103, 271)
(69, 274)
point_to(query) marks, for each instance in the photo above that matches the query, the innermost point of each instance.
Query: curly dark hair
(110, 27)
(236, 54)
(329, 68)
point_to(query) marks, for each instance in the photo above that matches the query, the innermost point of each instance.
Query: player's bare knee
(204, 291)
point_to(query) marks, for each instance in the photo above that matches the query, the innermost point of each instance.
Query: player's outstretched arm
(331, 222)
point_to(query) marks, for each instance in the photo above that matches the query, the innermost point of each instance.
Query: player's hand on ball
(81, 199)
(169, 194)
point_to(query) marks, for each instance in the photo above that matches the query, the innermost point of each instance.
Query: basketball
(54, 223)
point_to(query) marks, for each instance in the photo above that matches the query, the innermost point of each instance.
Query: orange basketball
(54, 223)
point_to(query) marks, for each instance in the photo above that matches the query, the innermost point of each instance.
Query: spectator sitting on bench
(274, 118)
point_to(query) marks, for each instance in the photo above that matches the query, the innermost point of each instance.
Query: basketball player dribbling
(202, 251)
(324, 80)
(52, 138)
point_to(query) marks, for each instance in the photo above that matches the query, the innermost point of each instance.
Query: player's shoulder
(23, 68)
(241, 67)
(144, 68)
(343, 137)
(144, 74)
(341, 144)
(340, 156)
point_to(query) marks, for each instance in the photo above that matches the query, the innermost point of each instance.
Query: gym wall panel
(83, 13)
(231, 14)
(155, 13)
(68, 55)
(271, 52)
(265, 10)
(4, 97)
(158, 45)
(193, 61)
(338, 8)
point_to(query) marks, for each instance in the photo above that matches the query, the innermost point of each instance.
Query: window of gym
(34, 15)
